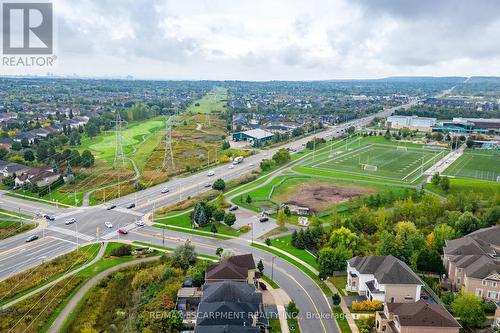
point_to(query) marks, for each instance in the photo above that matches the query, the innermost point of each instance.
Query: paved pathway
(73, 272)
(57, 325)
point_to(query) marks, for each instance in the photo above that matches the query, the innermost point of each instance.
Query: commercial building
(257, 137)
(469, 125)
(422, 124)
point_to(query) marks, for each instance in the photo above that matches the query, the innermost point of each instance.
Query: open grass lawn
(339, 282)
(483, 188)
(19, 284)
(377, 160)
(11, 228)
(284, 243)
(275, 325)
(341, 320)
(215, 100)
(25, 216)
(476, 164)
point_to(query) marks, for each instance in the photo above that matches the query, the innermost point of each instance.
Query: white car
(231, 166)
(70, 221)
(108, 224)
(139, 223)
(211, 173)
(165, 190)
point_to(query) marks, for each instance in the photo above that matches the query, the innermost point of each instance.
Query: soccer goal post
(369, 167)
(403, 148)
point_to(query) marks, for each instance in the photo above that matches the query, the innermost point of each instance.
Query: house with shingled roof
(417, 317)
(383, 278)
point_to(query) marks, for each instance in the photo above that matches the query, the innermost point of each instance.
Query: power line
(168, 157)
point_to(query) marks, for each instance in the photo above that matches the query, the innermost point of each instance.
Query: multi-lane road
(58, 238)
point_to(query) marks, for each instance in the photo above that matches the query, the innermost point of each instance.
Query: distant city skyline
(278, 40)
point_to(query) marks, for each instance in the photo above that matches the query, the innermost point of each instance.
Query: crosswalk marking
(109, 235)
(70, 233)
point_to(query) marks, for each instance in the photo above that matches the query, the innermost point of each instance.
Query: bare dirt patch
(320, 196)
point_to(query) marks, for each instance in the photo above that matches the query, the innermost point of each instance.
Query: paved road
(58, 238)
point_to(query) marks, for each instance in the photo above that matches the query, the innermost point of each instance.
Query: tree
(218, 214)
(388, 245)
(331, 260)
(249, 199)
(469, 143)
(200, 215)
(281, 156)
(16, 146)
(42, 151)
(467, 223)
(87, 159)
(444, 183)
(469, 308)
(282, 218)
(29, 155)
(219, 185)
(387, 135)
(260, 266)
(25, 142)
(213, 228)
(292, 309)
(345, 238)
(267, 165)
(491, 216)
(427, 260)
(442, 232)
(184, 255)
(225, 145)
(229, 219)
(219, 251)
(91, 129)
(336, 299)
(3, 153)
(121, 251)
(350, 130)
(75, 158)
(436, 178)
(220, 201)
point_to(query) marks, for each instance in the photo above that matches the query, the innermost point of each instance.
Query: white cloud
(279, 39)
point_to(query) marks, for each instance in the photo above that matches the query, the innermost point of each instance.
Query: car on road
(211, 173)
(31, 238)
(110, 207)
(264, 219)
(139, 223)
(108, 224)
(122, 231)
(165, 190)
(130, 205)
(70, 221)
(233, 208)
(251, 164)
(49, 217)
(231, 166)
(208, 185)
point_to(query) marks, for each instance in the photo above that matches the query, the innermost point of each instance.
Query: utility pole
(168, 157)
(272, 268)
(119, 156)
(76, 234)
(163, 237)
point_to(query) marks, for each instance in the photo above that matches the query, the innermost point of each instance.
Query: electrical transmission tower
(119, 156)
(168, 158)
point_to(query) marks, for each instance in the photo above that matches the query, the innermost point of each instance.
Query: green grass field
(483, 165)
(214, 101)
(387, 161)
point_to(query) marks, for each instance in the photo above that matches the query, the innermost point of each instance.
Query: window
(485, 283)
(479, 292)
(492, 295)
(392, 299)
(460, 270)
(458, 281)
(494, 284)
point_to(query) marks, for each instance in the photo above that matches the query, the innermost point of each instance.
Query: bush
(121, 251)
(367, 305)
(245, 229)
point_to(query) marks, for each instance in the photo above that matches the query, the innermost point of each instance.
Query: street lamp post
(76, 234)
(272, 268)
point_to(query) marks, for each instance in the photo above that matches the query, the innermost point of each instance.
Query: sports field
(388, 161)
(483, 164)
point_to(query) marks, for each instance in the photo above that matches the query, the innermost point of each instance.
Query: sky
(275, 39)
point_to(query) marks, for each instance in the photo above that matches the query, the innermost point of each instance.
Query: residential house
(11, 169)
(6, 143)
(496, 318)
(28, 135)
(417, 317)
(383, 278)
(473, 263)
(230, 306)
(236, 268)
(38, 176)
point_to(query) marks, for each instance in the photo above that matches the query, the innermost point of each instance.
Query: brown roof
(422, 314)
(225, 270)
(243, 260)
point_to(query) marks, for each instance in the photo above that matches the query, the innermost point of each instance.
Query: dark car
(31, 238)
(131, 205)
(110, 207)
(208, 185)
(49, 217)
(264, 219)
(233, 208)
(122, 231)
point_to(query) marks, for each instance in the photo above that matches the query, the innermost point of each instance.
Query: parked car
(110, 207)
(139, 223)
(264, 219)
(122, 231)
(165, 190)
(233, 208)
(108, 224)
(70, 221)
(130, 205)
(31, 238)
